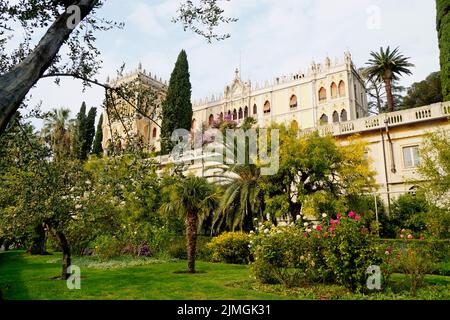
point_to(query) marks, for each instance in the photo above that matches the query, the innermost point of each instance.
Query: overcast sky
(271, 38)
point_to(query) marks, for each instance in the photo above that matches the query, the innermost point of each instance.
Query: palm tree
(56, 131)
(194, 198)
(387, 66)
(243, 199)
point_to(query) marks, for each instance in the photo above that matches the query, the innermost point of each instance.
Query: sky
(271, 38)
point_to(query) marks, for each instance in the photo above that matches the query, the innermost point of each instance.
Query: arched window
(266, 107)
(246, 112)
(221, 116)
(294, 125)
(194, 123)
(335, 117)
(324, 119)
(293, 103)
(344, 115)
(155, 133)
(322, 94)
(334, 91)
(342, 89)
(211, 121)
(241, 114)
(255, 109)
(234, 114)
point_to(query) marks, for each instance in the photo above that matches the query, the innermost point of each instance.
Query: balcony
(399, 118)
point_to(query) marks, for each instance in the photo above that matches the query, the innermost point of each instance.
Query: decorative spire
(238, 76)
(140, 66)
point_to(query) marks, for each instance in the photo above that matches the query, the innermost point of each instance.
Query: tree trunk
(191, 239)
(390, 98)
(66, 260)
(15, 84)
(38, 247)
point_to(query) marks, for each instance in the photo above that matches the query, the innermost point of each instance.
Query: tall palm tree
(56, 131)
(243, 199)
(194, 198)
(387, 66)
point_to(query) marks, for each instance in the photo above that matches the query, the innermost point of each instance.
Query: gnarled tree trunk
(191, 239)
(15, 84)
(66, 260)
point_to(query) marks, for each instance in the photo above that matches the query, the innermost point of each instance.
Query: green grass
(30, 277)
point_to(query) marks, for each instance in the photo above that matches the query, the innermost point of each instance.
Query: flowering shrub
(280, 255)
(230, 247)
(351, 251)
(337, 250)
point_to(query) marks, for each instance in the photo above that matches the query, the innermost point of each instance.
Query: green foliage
(177, 108)
(316, 175)
(231, 247)
(409, 211)
(97, 148)
(443, 28)
(351, 250)
(84, 132)
(416, 263)
(424, 93)
(387, 66)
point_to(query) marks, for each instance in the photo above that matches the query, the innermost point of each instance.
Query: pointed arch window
(211, 121)
(245, 112)
(234, 114)
(322, 94)
(255, 109)
(334, 91)
(342, 89)
(155, 133)
(293, 102)
(324, 119)
(344, 117)
(267, 107)
(335, 117)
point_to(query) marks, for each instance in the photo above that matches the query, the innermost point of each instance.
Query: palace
(331, 92)
(329, 98)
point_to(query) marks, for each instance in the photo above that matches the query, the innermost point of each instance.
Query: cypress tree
(97, 148)
(443, 28)
(90, 132)
(177, 108)
(80, 133)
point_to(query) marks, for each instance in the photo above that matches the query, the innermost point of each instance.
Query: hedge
(443, 28)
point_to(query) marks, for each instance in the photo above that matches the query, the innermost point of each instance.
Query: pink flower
(410, 236)
(318, 228)
(306, 234)
(351, 214)
(334, 221)
(358, 217)
(339, 216)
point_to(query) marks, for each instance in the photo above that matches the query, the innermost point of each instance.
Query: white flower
(306, 224)
(135, 232)
(256, 219)
(252, 232)
(308, 230)
(266, 231)
(387, 253)
(298, 217)
(78, 207)
(324, 215)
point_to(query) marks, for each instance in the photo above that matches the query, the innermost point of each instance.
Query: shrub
(280, 255)
(176, 248)
(231, 247)
(409, 212)
(416, 263)
(351, 251)
(108, 247)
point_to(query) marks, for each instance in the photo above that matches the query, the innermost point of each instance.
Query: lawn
(30, 277)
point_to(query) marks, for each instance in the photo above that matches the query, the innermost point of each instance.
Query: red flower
(333, 222)
(351, 214)
(318, 228)
(339, 216)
